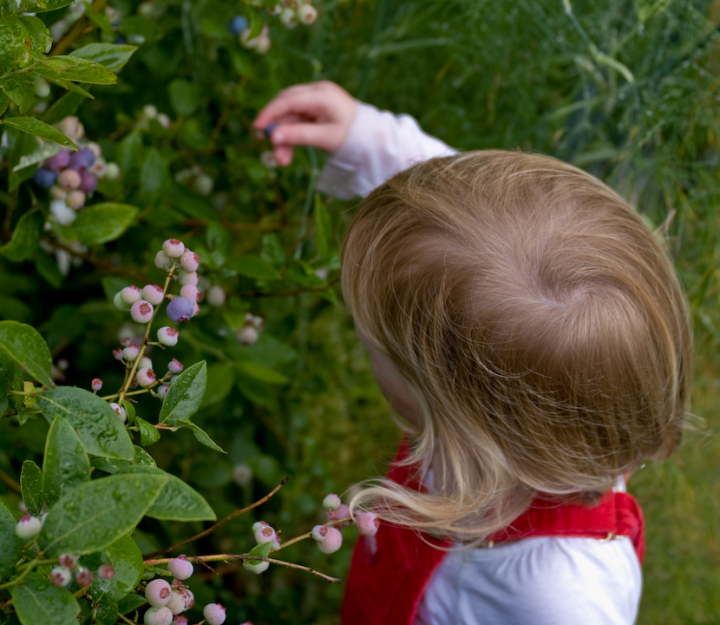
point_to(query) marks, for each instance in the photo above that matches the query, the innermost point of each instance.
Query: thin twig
(127, 620)
(77, 30)
(227, 557)
(297, 539)
(227, 519)
(10, 481)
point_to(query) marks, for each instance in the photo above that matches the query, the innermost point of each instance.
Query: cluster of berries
(196, 179)
(71, 178)
(329, 539)
(170, 600)
(69, 565)
(263, 534)
(250, 332)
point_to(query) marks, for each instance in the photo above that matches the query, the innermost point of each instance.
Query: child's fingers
(323, 136)
(300, 102)
(283, 154)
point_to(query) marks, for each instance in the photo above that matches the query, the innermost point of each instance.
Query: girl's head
(538, 326)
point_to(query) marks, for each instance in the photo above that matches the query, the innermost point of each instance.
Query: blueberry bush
(177, 374)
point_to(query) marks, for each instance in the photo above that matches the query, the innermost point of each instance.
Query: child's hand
(317, 114)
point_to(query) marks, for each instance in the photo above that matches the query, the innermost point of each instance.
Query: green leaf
(148, 432)
(100, 430)
(154, 176)
(10, 544)
(105, 612)
(4, 101)
(39, 602)
(76, 69)
(47, 267)
(111, 55)
(66, 464)
(184, 96)
(221, 376)
(126, 559)
(177, 501)
(262, 550)
(39, 129)
(28, 349)
(31, 480)
(48, 5)
(272, 250)
(261, 373)
(64, 106)
(113, 465)
(252, 266)
(130, 602)
(184, 395)
(40, 36)
(129, 411)
(95, 514)
(202, 436)
(129, 153)
(105, 222)
(25, 238)
(12, 43)
(20, 92)
(323, 228)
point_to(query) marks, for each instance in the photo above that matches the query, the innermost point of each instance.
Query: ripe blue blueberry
(237, 25)
(88, 182)
(269, 130)
(82, 159)
(180, 309)
(44, 177)
(60, 161)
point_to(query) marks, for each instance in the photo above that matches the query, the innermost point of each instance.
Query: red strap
(389, 572)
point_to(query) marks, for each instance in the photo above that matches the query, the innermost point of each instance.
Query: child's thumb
(322, 136)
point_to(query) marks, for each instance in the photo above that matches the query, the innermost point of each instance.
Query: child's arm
(368, 146)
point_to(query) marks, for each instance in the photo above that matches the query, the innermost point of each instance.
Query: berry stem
(127, 620)
(124, 391)
(31, 565)
(220, 523)
(227, 557)
(297, 539)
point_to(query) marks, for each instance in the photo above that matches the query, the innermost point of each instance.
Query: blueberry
(44, 177)
(180, 309)
(60, 161)
(120, 39)
(88, 182)
(82, 159)
(237, 25)
(269, 129)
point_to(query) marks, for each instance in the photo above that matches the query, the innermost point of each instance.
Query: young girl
(532, 335)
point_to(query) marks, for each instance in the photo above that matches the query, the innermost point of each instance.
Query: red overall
(387, 582)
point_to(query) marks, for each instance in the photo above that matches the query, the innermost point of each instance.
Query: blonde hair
(538, 322)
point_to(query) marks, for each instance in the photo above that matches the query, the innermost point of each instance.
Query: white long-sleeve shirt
(536, 581)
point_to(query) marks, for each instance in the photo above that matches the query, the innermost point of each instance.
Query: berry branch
(220, 523)
(297, 539)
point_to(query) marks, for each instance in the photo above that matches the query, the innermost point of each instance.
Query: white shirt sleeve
(536, 581)
(378, 146)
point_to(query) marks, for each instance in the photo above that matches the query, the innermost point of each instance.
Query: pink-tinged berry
(71, 127)
(343, 512)
(94, 148)
(120, 411)
(180, 567)
(88, 182)
(175, 366)
(119, 302)
(158, 616)
(189, 599)
(216, 296)
(28, 527)
(98, 169)
(319, 533)
(176, 605)
(68, 560)
(180, 620)
(307, 14)
(214, 614)
(162, 390)
(332, 542)
(242, 474)
(75, 200)
(268, 159)
(190, 261)
(163, 261)
(146, 377)
(83, 576)
(58, 193)
(196, 310)
(96, 384)
(130, 353)
(153, 293)
(180, 309)
(188, 277)
(258, 525)
(259, 566)
(173, 248)
(22, 506)
(117, 354)
(331, 502)
(141, 311)
(168, 336)
(131, 294)
(247, 336)
(69, 179)
(60, 161)
(125, 339)
(190, 292)
(367, 523)
(106, 571)
(265, 535)
(144, 363)
(63, 364)
(60, 576)
(157, 593)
